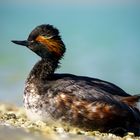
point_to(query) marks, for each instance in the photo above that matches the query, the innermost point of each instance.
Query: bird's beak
(23, 43)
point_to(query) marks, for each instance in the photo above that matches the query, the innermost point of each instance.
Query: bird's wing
(87, 83)
(89, 90)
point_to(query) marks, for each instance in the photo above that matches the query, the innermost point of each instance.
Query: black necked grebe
(84, 102)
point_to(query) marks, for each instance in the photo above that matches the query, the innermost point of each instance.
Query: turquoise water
(102, 41)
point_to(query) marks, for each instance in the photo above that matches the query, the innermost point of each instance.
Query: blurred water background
(102, 40)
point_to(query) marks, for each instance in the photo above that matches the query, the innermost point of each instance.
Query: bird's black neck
(43, 69)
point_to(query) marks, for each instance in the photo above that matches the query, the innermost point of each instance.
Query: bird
(85, 102)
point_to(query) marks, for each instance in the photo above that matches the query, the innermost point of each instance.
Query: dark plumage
(85, 102)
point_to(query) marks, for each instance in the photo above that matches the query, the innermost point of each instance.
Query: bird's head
(45, 41)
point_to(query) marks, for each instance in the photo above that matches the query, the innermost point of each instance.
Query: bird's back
(92, 103)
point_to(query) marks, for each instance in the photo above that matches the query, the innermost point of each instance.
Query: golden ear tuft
(53, 45)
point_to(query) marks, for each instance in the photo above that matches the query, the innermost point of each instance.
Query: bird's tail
(134, 105)
(133, 101)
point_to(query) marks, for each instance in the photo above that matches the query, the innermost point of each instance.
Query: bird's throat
(42, 70)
